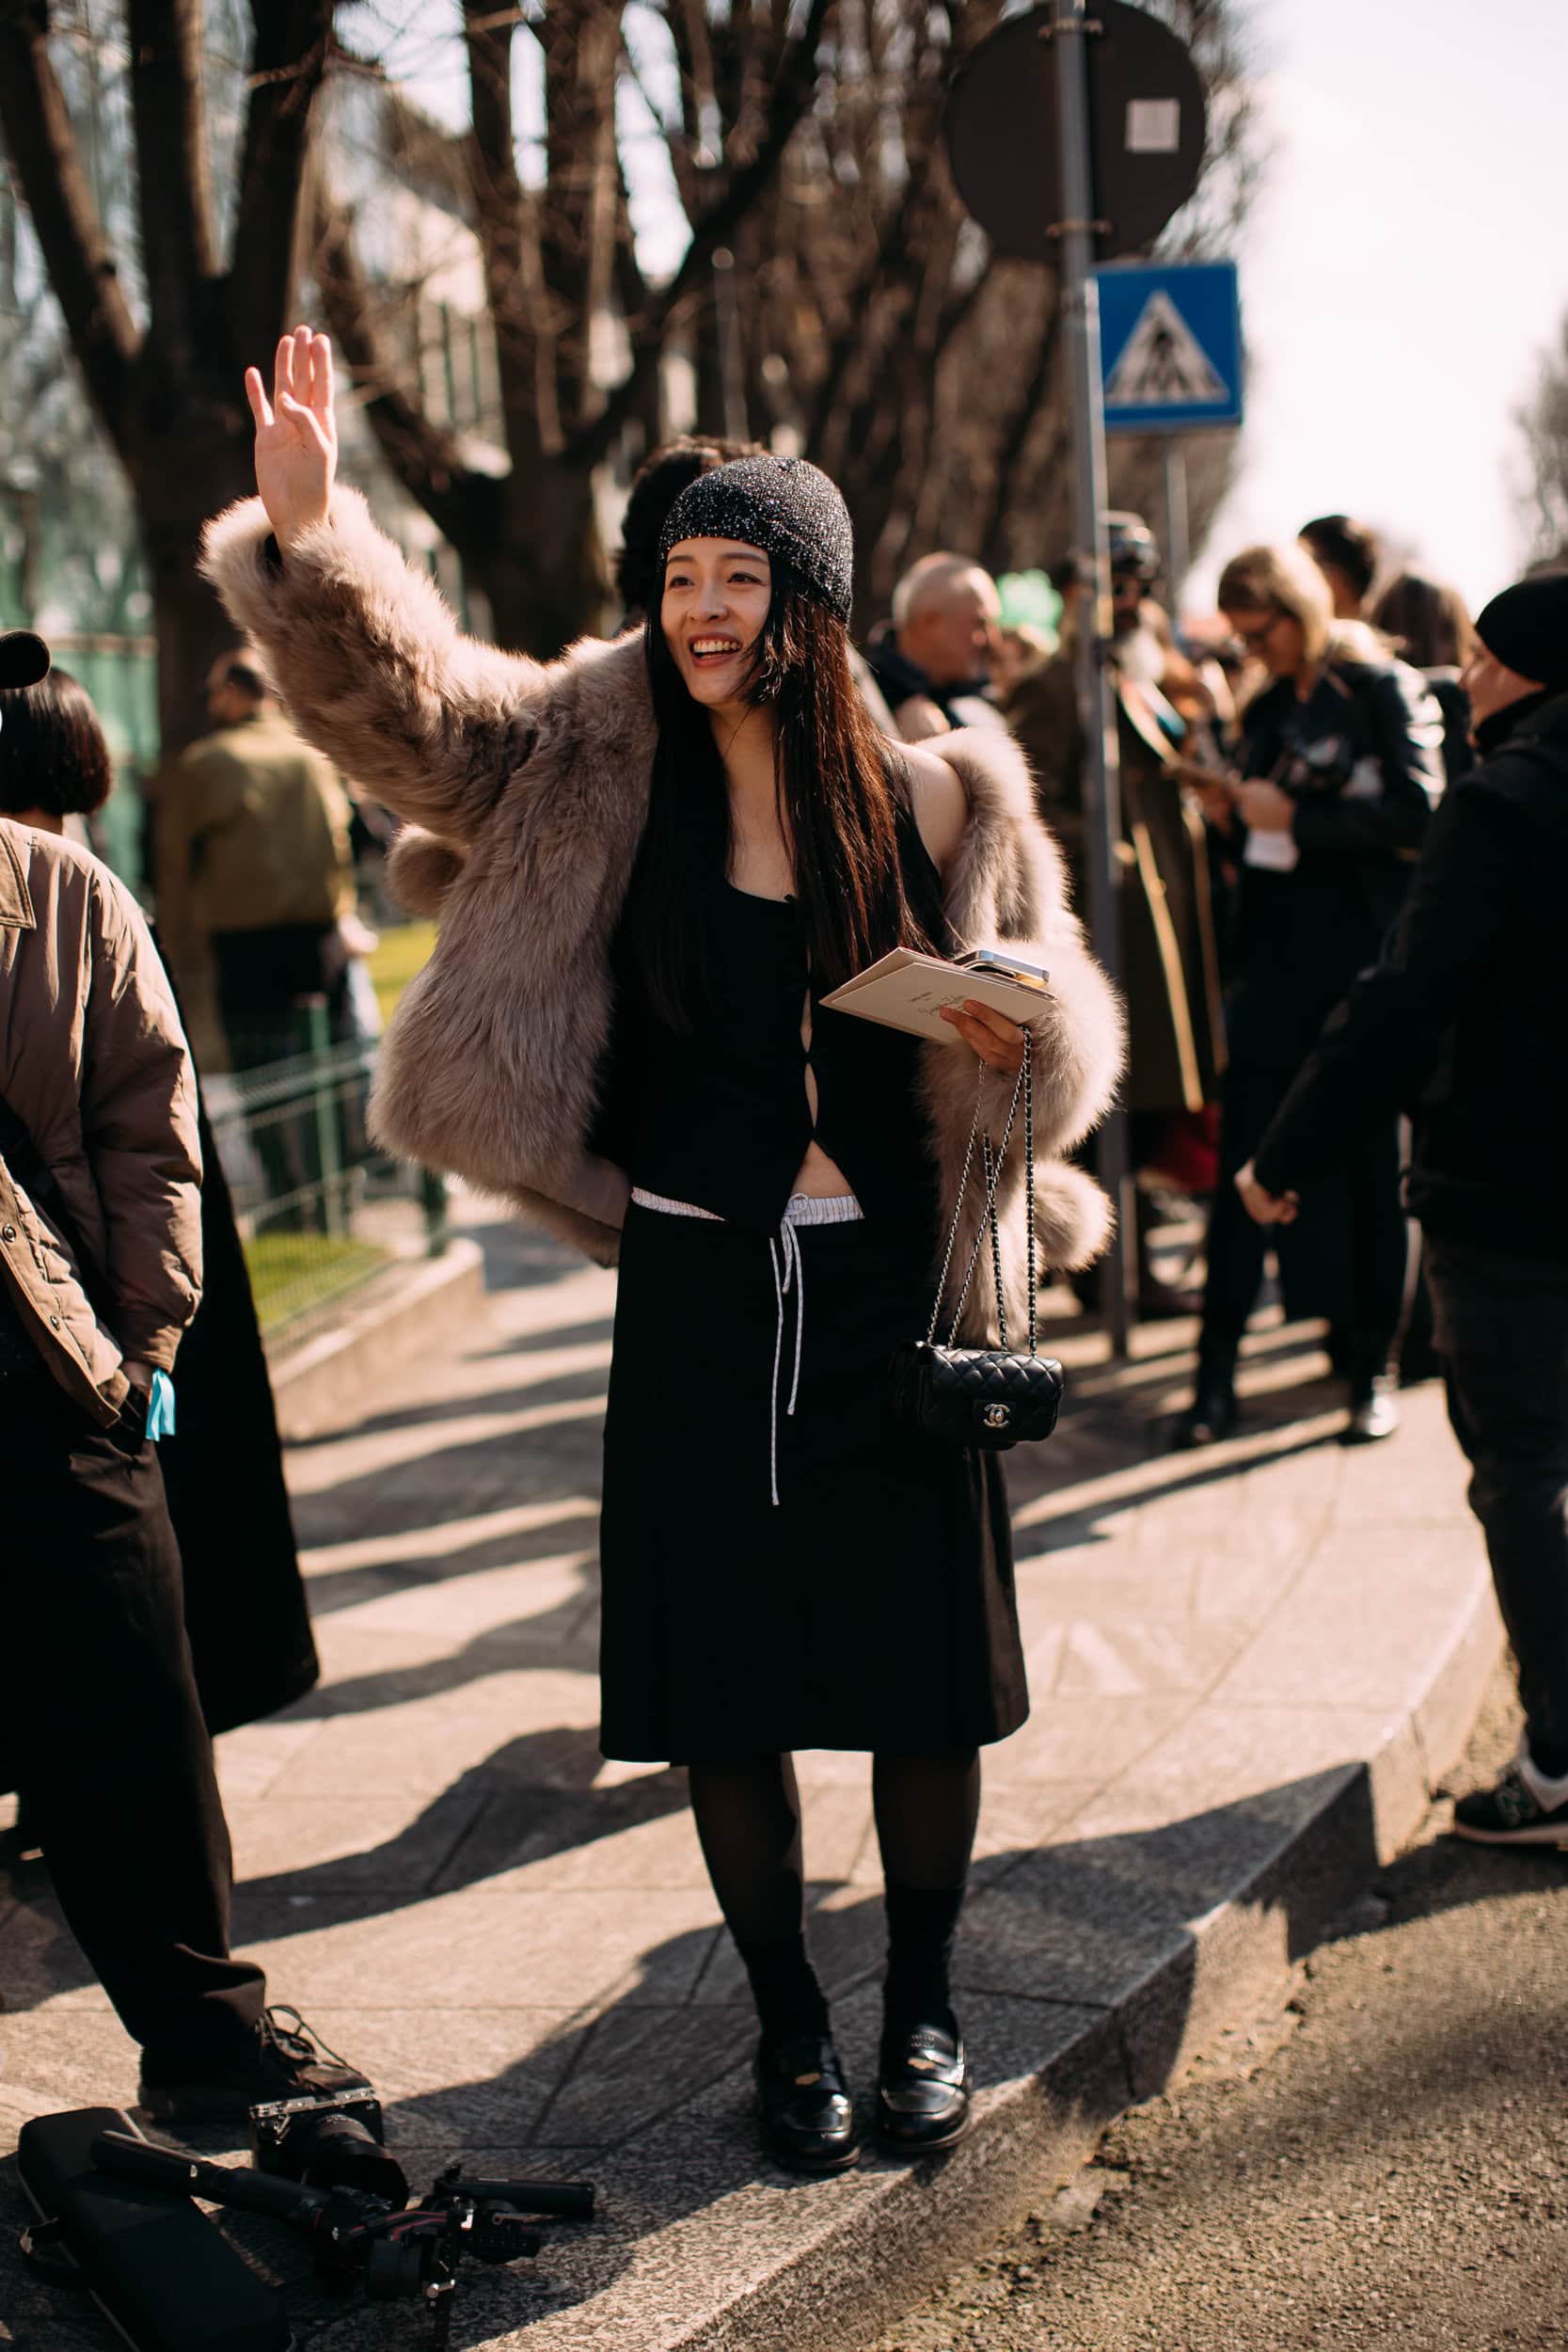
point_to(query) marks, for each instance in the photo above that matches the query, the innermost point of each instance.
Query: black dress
(872, 1605)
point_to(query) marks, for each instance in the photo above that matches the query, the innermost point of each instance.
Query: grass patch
(291, 1273)
(403, 949)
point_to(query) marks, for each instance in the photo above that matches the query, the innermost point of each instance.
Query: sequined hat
(786, 506)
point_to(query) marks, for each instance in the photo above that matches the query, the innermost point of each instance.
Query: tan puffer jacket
(94, 1063)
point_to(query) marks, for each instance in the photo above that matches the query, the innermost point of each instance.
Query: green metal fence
(322, 1211)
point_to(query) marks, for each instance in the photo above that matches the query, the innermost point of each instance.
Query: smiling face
(715, 606)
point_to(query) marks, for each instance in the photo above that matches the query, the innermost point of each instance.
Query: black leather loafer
(1211, 1416)
(804, 2107)
(923, 2092)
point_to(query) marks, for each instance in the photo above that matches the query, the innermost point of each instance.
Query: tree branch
(464, 507)
(790, 97)
(174, 189)
(577, 203)
(288, 62)
(55, 185)
(1011, 451)
(523, 364)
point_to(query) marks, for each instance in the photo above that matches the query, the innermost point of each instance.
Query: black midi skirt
(873, 1606)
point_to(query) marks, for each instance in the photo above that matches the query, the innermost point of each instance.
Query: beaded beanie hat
(786, 506)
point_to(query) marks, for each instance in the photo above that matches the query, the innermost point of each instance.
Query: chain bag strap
(990, 1397)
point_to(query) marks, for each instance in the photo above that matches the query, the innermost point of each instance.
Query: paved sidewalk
(1247, 1668)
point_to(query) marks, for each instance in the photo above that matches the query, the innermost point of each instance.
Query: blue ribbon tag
(160, 1410)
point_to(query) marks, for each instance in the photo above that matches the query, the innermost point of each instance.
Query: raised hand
(297, 434)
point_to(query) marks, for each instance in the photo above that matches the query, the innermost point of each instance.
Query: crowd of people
(1343, 837)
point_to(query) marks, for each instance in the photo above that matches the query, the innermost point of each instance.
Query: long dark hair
(838, 787)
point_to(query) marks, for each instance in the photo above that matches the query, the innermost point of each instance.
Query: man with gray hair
(934, 662)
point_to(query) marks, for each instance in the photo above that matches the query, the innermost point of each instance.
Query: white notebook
(908, 991)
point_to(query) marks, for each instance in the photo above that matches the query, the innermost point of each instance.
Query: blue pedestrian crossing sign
(1170, 346)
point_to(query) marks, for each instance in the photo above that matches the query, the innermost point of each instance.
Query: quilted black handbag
(986, 1396)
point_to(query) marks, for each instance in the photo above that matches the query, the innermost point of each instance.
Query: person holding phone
(1341, 768)
(654, 858)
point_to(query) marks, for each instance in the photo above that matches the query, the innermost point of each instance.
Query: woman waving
(654, 859)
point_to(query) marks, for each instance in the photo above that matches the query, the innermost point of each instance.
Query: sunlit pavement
(1247, 1667)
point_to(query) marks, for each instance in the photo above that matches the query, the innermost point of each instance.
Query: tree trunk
(546, 577)
(178, 486)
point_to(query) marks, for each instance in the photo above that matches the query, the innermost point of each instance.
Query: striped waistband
(802, 1208)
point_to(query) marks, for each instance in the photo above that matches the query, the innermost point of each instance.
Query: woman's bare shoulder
(940, 802)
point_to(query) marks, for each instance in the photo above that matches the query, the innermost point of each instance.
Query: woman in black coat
(1341, 767)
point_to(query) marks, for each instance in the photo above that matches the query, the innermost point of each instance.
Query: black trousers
(1346, 1256)
(1502, 1328)
(262, 976)
(96, 1684)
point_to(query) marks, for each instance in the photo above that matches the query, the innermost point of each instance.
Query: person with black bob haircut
(223, 1467)
(53, 755)
(652, 860)
(100, 1272)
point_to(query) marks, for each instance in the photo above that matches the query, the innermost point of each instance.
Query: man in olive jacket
(1465, 1019)
(99, 1273)
(254, 853)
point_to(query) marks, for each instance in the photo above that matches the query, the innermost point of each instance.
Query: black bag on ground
(158, 2267)
(985, 1396)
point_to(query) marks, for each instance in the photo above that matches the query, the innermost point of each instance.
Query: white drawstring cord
(794, 1270)
(803, 1209)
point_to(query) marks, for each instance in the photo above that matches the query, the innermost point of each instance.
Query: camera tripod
(360, 2239)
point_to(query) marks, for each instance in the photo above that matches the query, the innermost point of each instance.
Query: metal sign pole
(1080, 299)
(1176, 555)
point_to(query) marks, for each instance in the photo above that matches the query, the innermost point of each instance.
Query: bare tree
(164, 312)
(67, 526)
(559, 260)
(1543, 424)
(833, 295)
(939, 399)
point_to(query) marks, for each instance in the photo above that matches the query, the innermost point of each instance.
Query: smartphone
(1007, 967)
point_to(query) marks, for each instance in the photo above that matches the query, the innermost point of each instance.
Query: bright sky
(1405, 266)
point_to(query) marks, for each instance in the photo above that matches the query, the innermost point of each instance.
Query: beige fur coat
(529, 784)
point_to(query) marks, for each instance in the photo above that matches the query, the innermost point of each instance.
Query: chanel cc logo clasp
(996, 1415)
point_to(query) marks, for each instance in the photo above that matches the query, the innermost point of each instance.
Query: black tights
(748, 1817)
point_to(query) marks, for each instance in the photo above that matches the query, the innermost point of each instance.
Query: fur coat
(529, 785)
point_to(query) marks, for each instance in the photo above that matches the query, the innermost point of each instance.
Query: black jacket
(902, 679)
(1361, 757)
(1465, 1020)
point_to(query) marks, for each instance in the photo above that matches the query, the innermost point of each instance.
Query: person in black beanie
(1465, 1020)
(654, 863)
